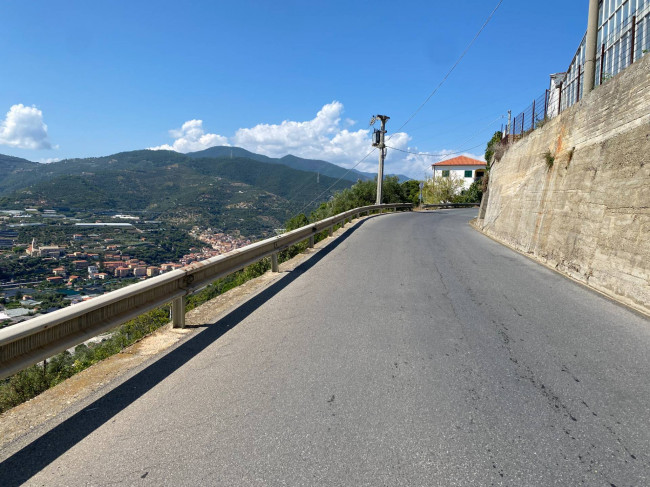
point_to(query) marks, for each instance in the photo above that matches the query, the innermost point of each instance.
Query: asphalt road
(415, 351)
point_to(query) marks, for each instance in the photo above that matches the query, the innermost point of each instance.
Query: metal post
(382, 156)
(330, 230)
(546, 98)
(509, 122)
(274, 263)
(633, 39)
(559, 99)
(533, 122)
(591, 46)
(178, 312)
(311, 242)
(602, 63)
(523, 117)
(578, 85)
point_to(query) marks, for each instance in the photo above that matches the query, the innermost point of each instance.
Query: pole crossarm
(40, 338)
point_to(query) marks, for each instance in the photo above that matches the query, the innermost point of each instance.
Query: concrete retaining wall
(588, 215)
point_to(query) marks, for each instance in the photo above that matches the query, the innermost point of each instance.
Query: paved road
(414, 352)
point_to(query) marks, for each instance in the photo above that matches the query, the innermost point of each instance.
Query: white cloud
(23, 128)
(328, 136)
(191, 138)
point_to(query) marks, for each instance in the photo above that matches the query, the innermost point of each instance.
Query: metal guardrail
(27, 343)
(452, 205)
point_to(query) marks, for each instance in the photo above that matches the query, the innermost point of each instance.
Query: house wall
(459, 172)
(589, 214)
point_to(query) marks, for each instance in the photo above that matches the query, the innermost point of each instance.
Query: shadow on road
(31, 459)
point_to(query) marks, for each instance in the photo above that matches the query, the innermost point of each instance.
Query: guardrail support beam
(178, 312)
(330, 230)
(311, 242)
(274, 263)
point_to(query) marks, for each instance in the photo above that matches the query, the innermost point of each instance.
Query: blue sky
(278, 77)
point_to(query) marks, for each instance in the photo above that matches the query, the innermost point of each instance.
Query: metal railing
(451, 205)
(620, 44)
(32, 341)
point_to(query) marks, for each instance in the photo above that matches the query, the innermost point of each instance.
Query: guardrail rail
(452, 205)
(34, 340)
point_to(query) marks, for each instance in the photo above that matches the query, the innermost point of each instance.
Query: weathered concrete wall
(589, 214)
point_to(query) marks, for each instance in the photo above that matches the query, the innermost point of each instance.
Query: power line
(338, 180)
(452, 68)
(441, 154)
(479, 131)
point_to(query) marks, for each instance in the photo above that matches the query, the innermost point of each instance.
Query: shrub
(549, 158)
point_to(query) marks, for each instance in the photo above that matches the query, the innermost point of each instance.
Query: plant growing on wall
(549, 158)
(491, 146)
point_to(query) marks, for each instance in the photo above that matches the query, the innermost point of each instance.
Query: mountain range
(222, 187)
(314, 165)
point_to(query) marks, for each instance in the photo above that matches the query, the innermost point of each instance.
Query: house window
(445, 174)
(468, 174)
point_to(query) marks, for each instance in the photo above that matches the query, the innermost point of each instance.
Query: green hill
(232, 194)
(313, 165)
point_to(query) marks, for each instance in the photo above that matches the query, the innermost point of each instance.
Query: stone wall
(587, 214)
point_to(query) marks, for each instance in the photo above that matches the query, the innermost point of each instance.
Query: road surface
(414, 351)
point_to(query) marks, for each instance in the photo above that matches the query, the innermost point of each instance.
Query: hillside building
(462, 167)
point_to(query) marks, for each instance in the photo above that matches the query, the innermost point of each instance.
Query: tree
(471, 195)
(411, 191)
(442, 189)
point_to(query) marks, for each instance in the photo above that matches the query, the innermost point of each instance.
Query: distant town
(79, 260)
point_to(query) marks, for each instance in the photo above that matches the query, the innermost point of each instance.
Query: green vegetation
(491, 145)
(12, 267)
(473, 194)
(549, 158)
(442, 189)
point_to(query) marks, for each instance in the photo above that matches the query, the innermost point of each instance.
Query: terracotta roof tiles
(460, 161)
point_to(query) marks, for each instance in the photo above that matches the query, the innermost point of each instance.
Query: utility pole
(591, 47)
(378, 141)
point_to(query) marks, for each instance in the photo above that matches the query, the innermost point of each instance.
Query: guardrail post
(330, 230)
(311, 242)
(274, 263)
(178, 312)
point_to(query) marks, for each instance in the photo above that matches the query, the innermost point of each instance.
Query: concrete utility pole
(591, 47)
(382, 154)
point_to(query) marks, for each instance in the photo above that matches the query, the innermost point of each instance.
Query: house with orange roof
(463, 167)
